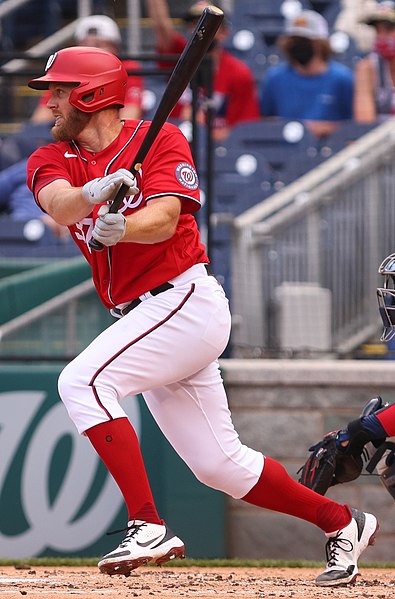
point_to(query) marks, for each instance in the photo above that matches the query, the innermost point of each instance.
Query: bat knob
(95, 245)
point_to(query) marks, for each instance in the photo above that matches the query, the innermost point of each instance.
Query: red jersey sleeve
(45, 165)
(169, 170)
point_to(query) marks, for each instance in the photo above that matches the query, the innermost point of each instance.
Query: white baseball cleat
(142, 544)
(344, 547)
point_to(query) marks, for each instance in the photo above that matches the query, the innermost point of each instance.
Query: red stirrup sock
(277, 491)
(117, 445)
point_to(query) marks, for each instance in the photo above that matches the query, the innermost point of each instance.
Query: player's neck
(102, 129)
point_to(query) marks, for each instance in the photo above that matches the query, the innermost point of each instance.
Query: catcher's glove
(329, 464)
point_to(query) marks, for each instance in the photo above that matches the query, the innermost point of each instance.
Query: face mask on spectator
(385, 47)
(300, 50)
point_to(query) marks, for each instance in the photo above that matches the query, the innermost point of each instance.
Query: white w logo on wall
(65, 516)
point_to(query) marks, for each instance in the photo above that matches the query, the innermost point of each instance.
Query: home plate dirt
(172, 583)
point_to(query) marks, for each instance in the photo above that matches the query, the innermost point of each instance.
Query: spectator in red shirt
(102, 32)
(234, 89)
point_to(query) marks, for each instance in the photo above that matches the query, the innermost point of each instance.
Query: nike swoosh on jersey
(68, 155)
(146, 543)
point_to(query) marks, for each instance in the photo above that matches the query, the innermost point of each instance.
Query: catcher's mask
(99, 77)
(386, 297)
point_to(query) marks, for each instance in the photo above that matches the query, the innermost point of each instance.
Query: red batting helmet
(99, 77)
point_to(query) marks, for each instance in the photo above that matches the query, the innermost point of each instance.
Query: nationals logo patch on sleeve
(187, 176)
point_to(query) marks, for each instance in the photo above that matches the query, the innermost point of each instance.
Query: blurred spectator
(375, 74)
(102, 32)
(22, 143)
(235, 97)
(350, 20)
(17, 201)
(15, 197)
(309, 85)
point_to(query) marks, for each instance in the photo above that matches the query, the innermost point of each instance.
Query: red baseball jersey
(127, 270)
(235, 94)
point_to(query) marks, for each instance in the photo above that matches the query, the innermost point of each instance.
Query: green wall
(56, 498)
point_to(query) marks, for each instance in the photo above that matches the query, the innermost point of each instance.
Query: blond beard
(72, 126)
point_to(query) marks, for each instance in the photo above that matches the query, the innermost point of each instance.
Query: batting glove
(104, 189)
(109, 227)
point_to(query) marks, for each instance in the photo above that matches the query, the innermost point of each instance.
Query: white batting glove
(109, 227)
(104, 189)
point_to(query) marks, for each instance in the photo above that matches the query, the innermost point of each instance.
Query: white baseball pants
(167, 349)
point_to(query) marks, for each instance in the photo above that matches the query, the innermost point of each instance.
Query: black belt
(134, 303)
(155, 291)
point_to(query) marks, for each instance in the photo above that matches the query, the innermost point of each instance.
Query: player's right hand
(104, 189)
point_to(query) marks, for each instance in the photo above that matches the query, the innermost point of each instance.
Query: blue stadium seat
(238, 165)
(345, 49)
(328, 8)
(263, 18)
(347, 133)
(221, 265)
(237, 173)
(234, 198)
(285, 144)
(19, 145)
(230, 200)
(31, 239)
(248, 45)
(153, 92)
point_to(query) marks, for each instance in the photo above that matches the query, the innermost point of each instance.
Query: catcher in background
(338, 458)
(341, 455)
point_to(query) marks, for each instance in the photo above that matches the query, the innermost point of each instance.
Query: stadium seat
(16, 146)
(238, 165)
(249, 46)
(347, 133)
(235, 198)
(328, 8)
(152, 94)
(344, 49)
(32, 239)
(264, 19)
(221, 264)
(238, 176)
(284, 144)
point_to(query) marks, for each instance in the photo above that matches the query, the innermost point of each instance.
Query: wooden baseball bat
(182, 74)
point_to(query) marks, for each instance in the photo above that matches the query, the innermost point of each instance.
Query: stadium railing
(331, 228)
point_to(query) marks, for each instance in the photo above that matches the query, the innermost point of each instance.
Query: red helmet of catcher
(99, 77)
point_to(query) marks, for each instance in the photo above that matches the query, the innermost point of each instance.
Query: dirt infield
(173, 583)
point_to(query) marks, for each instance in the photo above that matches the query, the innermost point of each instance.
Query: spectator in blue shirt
(17, 201)
(309, 85)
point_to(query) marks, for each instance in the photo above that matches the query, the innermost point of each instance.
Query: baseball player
(339, 456)
(172, 319)
(366, 442)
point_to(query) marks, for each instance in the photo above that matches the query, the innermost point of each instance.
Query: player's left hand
(330, 464)
(110, 227)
